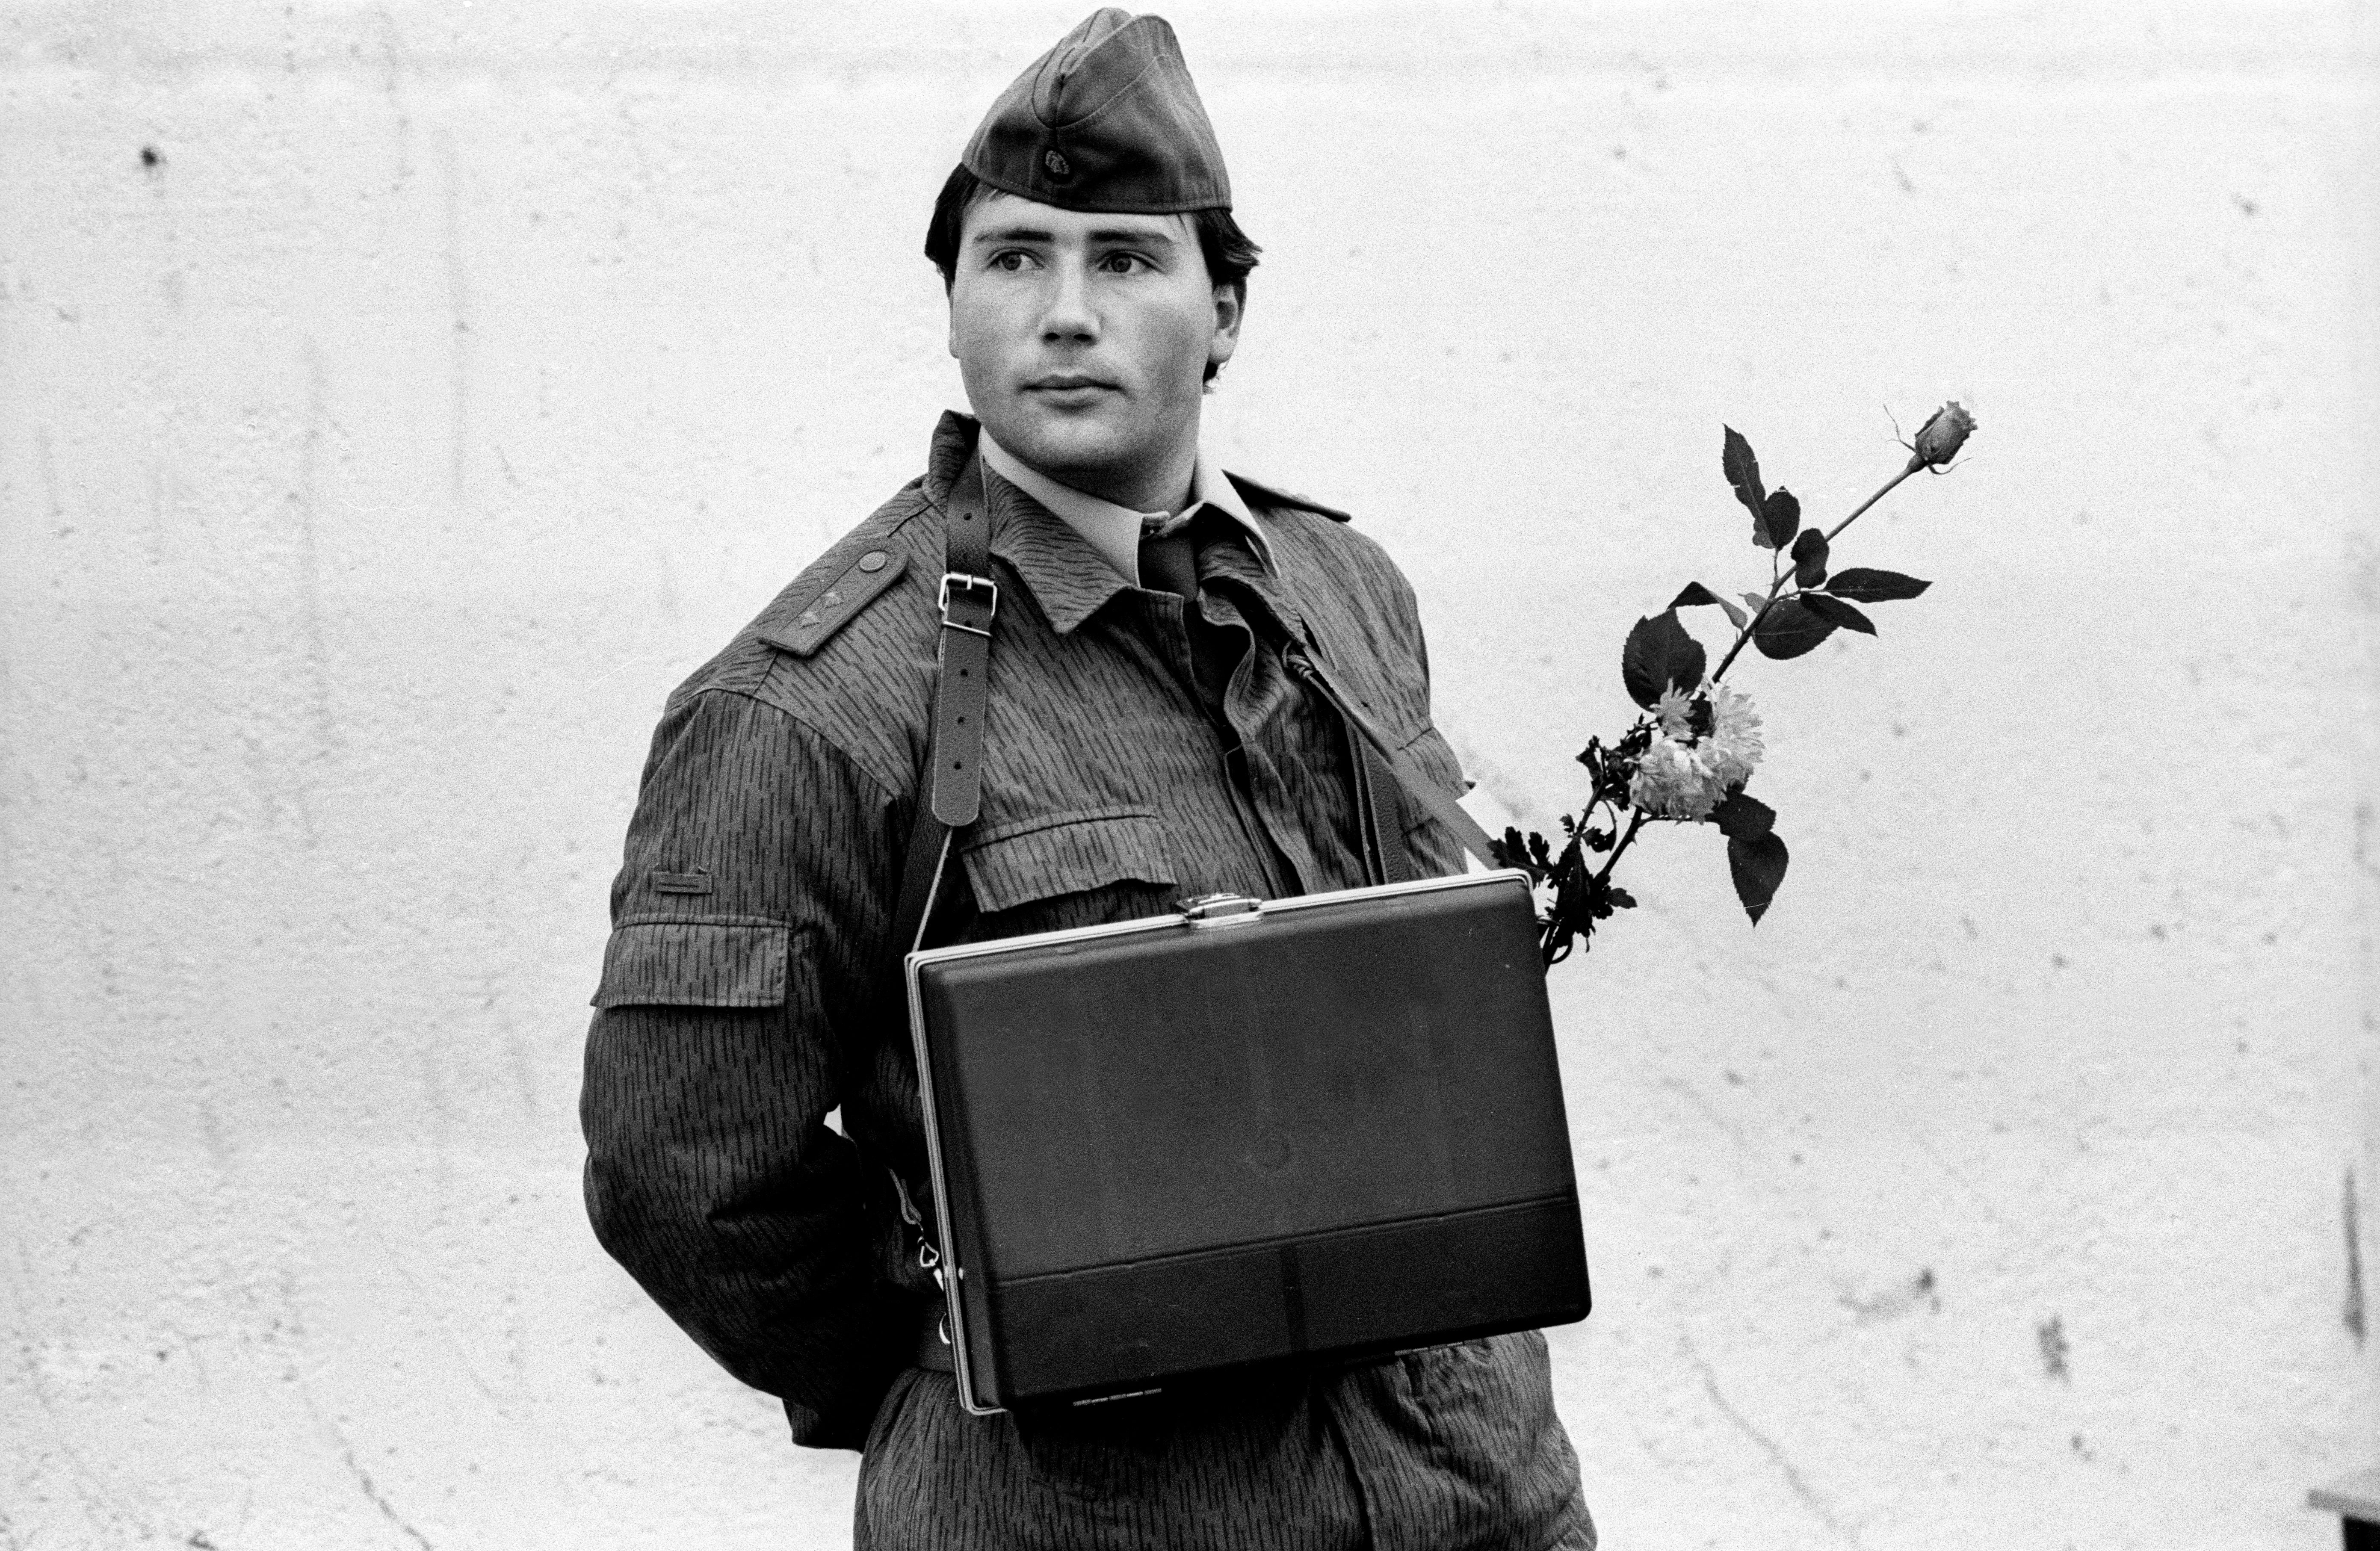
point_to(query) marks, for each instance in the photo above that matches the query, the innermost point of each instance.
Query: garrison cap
(1107, 120)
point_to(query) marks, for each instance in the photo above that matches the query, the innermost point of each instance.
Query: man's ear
(1231, 306)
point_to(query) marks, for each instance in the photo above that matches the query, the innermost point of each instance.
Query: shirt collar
(1113, 530)
(1068, 579)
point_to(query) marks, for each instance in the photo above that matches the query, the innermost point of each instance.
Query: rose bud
(1940, 439)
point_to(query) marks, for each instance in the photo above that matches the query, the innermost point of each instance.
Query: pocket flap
(693, 964)
(1066, 853)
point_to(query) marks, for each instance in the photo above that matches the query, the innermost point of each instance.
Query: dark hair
(1229, 253)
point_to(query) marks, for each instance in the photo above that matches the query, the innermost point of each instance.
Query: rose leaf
(1809, 557)
(1757, 867)
(1743, 472)
(1743, 818)
(1865, 586)
(1788, 630)
(1659, 653)
(1834, 611)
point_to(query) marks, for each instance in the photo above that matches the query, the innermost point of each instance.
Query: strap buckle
(968, 583)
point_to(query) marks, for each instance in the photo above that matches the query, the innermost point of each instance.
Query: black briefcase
(1324, 1127)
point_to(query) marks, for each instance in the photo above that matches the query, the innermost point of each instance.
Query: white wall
(461, 376)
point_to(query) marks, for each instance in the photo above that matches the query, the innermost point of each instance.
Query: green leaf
(1757, 867)
(1780, 515)
(1755, 601)
(1743, 818)
(1788, 630)
(1659, 653)
(1743, 472)
(1809, 557)
(1865, 586)
(1696, 595)
(1834, 611)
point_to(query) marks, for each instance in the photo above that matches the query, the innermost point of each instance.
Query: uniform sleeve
(746, 925)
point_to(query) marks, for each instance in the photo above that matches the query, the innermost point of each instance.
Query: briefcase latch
(1209, 910)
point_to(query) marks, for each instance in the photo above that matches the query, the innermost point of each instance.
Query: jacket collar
(1058, 566)
(1115, 530)
(1065, 573)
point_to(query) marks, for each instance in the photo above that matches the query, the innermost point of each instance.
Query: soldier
(1142, 743)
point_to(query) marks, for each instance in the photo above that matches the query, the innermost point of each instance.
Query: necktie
(1169, 563)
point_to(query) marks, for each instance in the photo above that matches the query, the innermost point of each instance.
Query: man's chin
(1059, 445)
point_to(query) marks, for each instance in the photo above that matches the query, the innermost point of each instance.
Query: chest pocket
(1060, 870)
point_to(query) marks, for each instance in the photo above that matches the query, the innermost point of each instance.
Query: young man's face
(1083, 339)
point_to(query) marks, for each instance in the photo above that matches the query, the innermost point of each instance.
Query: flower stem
(1745, 634)
(1635, 822)
(1778, 584)
(1914, 465)
(1553, 923)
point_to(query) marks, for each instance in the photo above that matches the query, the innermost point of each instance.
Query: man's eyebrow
(1152, 236)
(1155, 237)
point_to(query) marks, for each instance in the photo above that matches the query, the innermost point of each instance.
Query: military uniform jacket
(751, 986)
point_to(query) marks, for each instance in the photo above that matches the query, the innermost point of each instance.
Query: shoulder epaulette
(1255, 494)
(832, 591)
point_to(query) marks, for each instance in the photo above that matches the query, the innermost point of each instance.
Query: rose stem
(1779, 585)
(1914, 465)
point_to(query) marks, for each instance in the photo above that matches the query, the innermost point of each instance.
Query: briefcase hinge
(1208, 910)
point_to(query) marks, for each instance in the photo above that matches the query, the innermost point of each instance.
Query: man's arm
(754, 883)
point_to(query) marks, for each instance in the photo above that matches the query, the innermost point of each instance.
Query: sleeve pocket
(1066, 853)
(693, 964)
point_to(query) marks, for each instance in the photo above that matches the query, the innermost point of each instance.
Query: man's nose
(1069, 317)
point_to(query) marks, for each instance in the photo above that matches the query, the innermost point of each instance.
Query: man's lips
(1068, 382)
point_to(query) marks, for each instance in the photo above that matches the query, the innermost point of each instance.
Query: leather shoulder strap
(952, 793)
(1384, 812)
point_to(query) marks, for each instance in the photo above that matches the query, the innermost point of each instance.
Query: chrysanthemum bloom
(1672, 781)
(1675, 711)
(1685, 775)
(1732, 746)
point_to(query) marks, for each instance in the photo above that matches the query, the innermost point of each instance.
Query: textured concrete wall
(395, 401)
